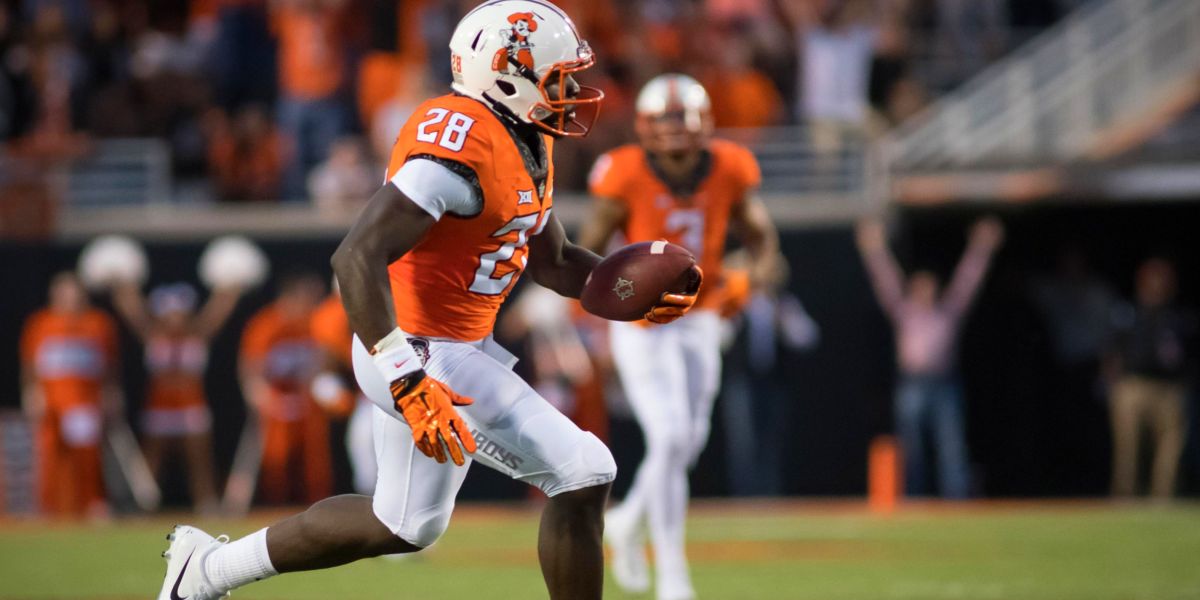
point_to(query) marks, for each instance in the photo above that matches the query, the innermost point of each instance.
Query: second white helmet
(507, 53)
(673, 113)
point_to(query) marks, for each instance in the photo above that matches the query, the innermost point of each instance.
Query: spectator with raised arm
(176, 338)
(929, 399)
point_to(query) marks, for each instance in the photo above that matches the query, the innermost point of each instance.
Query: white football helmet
(505, 53)
(673, 114)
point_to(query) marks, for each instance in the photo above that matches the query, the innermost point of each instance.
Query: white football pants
(670, 374)
(517, 433)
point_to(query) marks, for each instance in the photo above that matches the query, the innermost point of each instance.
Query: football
(630, 281)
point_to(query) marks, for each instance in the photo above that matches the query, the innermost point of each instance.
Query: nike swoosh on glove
(672, 306)
(428, 406)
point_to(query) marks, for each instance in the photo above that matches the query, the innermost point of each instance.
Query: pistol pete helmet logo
(517, 45)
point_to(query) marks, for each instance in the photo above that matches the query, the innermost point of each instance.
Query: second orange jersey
(698, 222)
(331, 329)
(453, 283)
(70, 355)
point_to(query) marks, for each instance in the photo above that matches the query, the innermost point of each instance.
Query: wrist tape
(394, 356)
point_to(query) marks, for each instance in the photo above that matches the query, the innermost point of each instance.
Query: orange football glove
(672, 306)
(428, 406)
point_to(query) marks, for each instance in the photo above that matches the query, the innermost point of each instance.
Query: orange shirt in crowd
(311, 51)
(698, 222)
(70, 355)
(289, 357)
(745, 98)
(247, 171)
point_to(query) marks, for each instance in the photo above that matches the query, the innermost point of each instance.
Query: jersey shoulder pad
(613, 170)
(450, 127)
(738, 162)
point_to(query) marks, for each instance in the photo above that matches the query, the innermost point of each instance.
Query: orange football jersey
(453, 283)
(70, 355)
(698, 222)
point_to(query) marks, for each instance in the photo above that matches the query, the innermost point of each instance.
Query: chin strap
(503, 110)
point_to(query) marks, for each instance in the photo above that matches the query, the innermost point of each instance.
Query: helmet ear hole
(507, 88)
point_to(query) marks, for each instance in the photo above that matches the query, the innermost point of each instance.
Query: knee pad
(670, 441)
(591, 465)
(424, 528)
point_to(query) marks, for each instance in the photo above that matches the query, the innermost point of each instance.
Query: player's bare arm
(751, 223)
(606, 218)
(557, 264)
(390, 226)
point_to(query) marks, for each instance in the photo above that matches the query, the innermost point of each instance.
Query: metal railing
(121, 172)
(1110, 61)
(791, 162)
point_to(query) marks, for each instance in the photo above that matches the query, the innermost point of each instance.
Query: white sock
(237, 563)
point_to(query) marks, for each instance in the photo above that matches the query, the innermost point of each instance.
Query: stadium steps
(1105, 80)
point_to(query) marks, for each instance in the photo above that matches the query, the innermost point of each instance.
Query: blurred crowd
(302, 99)
(1136, 357)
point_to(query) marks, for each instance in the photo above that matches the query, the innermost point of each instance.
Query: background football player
(682, 186)
(466, 209)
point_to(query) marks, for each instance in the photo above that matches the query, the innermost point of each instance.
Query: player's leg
(413, 500)
(411, 508)
(701, 343)
(654, 374)
(361, 448)
(519, 434)
(570, 545)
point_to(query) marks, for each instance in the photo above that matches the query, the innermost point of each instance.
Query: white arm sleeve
(436, 189)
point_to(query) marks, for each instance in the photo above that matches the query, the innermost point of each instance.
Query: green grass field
(747, 551)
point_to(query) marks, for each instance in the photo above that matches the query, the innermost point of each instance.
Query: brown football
(630, 281)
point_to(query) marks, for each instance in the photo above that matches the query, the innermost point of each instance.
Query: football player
(682, 186)
(466, 209)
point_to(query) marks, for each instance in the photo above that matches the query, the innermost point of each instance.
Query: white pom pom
(112, 258)
(233, 261)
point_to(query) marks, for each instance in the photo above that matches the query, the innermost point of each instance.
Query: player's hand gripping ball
(657, 281)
